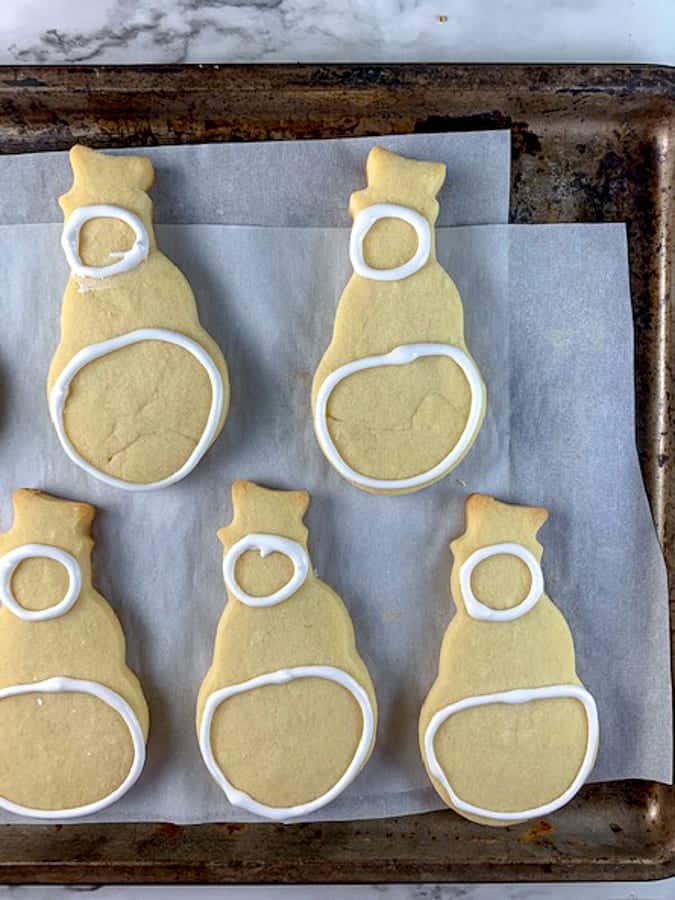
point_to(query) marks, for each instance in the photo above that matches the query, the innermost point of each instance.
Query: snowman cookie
(397, 399)
(73, 717)
(508, 732)
(138, 391)
(286, 715)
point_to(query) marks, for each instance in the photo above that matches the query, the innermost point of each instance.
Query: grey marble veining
(654, 891)
(171, 31)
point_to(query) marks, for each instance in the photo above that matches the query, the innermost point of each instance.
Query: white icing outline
(265, 544)
(283, 676)
(521, 695)
(401, 356)
(111, 698)
(364, 221)
(129, 259)
(478, 610)
(59, 395)
(10, 560)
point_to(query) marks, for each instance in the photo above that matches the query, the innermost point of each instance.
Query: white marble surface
(168, 31)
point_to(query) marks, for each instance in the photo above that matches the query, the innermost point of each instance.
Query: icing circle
(129, 259)
(59, 395)
(278, 813)
(8, 563)
(266, 544)
(400, 356)
(107, 696)
(522, 695)
(481, 611)
(364, 221)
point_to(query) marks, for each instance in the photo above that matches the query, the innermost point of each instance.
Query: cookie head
(502, 580)
(259, 511)
(491, 521)
(101, 179)
(395, 179)
(50, 520)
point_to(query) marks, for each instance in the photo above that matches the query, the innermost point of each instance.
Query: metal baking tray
(590, 143)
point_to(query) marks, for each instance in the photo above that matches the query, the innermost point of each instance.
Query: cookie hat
(138, 391)
(286, 715)
(397, 399)
(508, 732)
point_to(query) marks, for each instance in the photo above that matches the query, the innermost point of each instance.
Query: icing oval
(520, 695)
(481, 611)
(62, 684)
(59, 395)
(70, 240)
(265, 544)
(282, 676)
(401, 356)
(9, 562)
(364, 221)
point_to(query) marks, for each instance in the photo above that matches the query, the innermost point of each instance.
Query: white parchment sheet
(548, 319)
(291, 183)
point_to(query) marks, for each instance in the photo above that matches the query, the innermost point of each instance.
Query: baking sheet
(291, 183)
(548, 319)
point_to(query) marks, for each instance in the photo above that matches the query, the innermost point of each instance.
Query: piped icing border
(63, 684)
(266, 544)
(521, 695)
(478, 610)
(364, 221)
(400, 356)
(10, 560)
(59, 395)
(280, 813)
(129, 259)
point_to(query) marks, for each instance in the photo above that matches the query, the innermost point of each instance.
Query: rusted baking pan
(590, 143)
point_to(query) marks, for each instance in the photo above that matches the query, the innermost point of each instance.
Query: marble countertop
(655, 891)
(171, 31)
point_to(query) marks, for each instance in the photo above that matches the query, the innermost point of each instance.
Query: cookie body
(286, 714)
(137, 388)
(73, 716)
(507, 731)
(397, 399)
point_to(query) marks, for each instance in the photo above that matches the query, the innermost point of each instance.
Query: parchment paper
(291, 183)
(548, 320)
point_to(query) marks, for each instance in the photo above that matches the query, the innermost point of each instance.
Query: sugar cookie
(508, 732)
(138, 391)
(286, 715)
(397, 399)
(73, 717)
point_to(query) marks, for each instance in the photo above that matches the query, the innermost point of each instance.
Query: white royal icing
(112, 699)
(364, 221)
(265, 544)
(59, 395)
(523, 695)
(478, 610)
(10, 560)
(401, 356)
(70, 240)
(283, 676)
